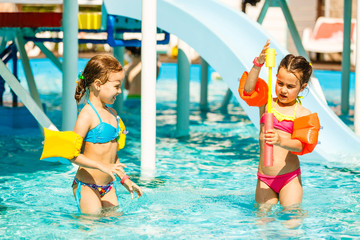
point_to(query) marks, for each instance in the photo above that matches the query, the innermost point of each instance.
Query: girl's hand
(113, 169)
(262, 56)
(131, 187)
(272, 137)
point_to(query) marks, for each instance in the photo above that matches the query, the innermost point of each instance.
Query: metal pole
(226, 101)
(15, 73)
(204, 85)
(345, 79)
(20, 44)
(49, 55)
(119, 55)
(183, 90)
(148, 89)
(25, 98)
(357, 75)
(263, 12)
(70, 63)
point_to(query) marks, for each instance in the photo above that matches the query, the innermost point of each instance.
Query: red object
(30, 19)
(256, 62)
(123, 179)
(268, 149)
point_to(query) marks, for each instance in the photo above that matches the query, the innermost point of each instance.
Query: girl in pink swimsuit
(282, 181)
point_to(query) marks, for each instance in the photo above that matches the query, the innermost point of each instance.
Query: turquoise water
(204, 186)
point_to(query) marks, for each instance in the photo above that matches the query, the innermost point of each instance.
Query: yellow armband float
(61, 144)
(122, 137)
(306, 130)
(259, 96)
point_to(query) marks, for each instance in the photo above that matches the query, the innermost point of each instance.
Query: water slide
(228, 40)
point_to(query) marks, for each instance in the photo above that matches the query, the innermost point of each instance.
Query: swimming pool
(204, 186)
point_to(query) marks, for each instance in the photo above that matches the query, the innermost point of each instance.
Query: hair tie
(80, 76)
(298, 99)
(310, 64)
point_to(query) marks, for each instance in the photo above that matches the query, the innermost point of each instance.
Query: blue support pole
(70, 62)
(15, 73)
(204, 86)
(345, 78)
(2, 90)
(183, 91)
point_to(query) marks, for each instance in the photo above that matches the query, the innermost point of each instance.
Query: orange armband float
(306, 130)
(260, 94)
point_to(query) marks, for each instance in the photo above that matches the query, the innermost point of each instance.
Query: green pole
(70, 62)
(263, 12)
(226, 101)
(183, 91)
(49, 55)
(204, 85)
(345, 78)
(2, 43)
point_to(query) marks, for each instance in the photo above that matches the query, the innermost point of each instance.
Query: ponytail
(80, 89)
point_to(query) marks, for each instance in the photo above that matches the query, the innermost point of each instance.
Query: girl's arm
(117, 161)
(272, 137)
(294, 145)
(128, 184)
(255, 70)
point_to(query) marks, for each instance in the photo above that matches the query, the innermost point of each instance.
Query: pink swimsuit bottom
(276, 183)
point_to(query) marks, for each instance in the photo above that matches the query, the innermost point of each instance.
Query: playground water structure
(232, 51)
(194, 194)
(204, 186)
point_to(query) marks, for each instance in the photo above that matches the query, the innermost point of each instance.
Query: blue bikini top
(103, 132)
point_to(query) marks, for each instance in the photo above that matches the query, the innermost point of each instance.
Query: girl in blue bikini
(98, 125)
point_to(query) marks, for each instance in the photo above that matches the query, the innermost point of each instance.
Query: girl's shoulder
(84, 121)
(86, 113)
(302, 111)
(113, 111)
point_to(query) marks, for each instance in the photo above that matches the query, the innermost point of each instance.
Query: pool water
(204, 186)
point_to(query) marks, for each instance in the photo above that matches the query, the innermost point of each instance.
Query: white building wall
(303, 12)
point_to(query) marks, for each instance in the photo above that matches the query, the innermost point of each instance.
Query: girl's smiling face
(288, 86)
(112, 87)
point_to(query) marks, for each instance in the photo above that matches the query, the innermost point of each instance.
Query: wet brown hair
(298, 65)
(98, 67)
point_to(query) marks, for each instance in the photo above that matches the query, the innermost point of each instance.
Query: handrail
(131, 42)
